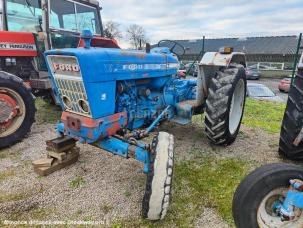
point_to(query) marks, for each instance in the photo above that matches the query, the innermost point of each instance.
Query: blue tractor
(112, 98)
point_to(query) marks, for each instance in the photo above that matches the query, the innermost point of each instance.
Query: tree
(111, 30)
(136, 35)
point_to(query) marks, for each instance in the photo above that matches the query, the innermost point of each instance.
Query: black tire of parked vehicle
(293, 121)
(219, 102)
(255, 187)
(15, 84)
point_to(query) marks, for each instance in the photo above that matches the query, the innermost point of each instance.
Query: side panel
(17, 44)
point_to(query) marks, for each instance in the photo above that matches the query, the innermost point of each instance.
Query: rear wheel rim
(236, 106)
(13, 102)
(268, 218)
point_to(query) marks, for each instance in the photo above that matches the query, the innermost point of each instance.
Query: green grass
(11, 197)
(6, 174)
(46, 113)
(106, 208)
(264, 114)
(33, 212)
(127, 193)
(207, 181)
(203, 182)
(77, 182)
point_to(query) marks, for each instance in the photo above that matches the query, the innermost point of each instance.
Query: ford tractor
(113, 98)
(272, 195)
(27, 29)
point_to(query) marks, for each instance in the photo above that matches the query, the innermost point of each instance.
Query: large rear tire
(255, 196)
(293, 121)
(159, 178)
(17, 109)
(225, 104)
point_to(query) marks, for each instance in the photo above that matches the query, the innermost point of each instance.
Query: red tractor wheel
(17, 110)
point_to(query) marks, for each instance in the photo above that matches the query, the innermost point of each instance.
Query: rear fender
(210, 64)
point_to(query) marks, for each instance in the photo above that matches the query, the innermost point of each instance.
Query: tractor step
(61, 152)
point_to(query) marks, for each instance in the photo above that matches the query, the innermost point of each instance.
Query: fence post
(296, 58)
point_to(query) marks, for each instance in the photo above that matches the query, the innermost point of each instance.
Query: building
(275, 52)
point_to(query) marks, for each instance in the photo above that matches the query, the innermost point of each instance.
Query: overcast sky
(190, 19)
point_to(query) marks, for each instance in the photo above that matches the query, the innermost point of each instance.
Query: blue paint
(87, 36)
(294, 198)
(156, 121)
(142, 85)
(121, 148)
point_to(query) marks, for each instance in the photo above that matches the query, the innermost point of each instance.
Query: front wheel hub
(12, 111)
(8, 108)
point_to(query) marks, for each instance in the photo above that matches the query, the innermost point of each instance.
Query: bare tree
(111, 30)
(136, 36)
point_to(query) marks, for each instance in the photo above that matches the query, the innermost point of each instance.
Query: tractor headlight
(67, 102)
(84, 106)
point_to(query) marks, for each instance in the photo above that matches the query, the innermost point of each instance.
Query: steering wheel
(173, 46)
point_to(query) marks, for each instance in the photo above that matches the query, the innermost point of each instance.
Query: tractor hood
(90, 75)
(108, 64)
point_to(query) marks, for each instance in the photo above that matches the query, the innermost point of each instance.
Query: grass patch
(127, 193)
(47, 113)
(11, 197)
(77, 182)
(198, 120)
(207, 181)
(264, 114)
(33, 212)
(203, 182)
(106, 208)
(6, 174)
(4, 154)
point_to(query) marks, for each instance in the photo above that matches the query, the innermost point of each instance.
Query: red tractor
(27, 29)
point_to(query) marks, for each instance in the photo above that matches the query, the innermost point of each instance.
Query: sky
(191, 19)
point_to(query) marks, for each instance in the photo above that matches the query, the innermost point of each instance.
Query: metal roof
(250, 45)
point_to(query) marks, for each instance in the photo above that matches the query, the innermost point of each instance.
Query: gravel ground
(112, 188)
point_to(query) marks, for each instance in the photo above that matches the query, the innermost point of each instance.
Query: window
(71, 16)
(23, 15)
(87, 19)
(63, 15)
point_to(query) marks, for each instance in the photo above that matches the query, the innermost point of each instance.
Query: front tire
(225, 105)
(254, 197)
(159, 178)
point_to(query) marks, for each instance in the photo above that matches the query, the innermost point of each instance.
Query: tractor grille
(74, 91)
(68, 79)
